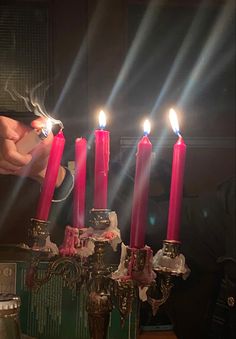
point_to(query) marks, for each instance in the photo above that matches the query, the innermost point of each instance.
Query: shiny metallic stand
(167, 264)
(107, 288)
(38, 233)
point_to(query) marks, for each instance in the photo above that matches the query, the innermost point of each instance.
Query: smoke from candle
(32, 103)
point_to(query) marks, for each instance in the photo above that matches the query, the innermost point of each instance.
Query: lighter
(33, 138)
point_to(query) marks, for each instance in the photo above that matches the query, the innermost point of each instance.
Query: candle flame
(102, 119)
(146, 127)
(174, 121)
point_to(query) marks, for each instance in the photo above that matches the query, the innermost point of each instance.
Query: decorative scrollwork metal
(165, 287)
(124, 293)
(69, 268)
(103, 289)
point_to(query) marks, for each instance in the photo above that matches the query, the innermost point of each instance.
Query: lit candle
(102, 152)
(80, 182)
(176, 191)
(50, 179)
(141, 189)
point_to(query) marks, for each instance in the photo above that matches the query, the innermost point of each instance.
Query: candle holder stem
(124, 293)
(99, 304)
(162, 288)
(167, 263)
(38, 234)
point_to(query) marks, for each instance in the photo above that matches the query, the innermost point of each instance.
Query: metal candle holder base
(99, 304)
(171, 248)
(169, 259)
(167, 263)
(138, 258)
(99, 218)
(38, 234)
(104, 290)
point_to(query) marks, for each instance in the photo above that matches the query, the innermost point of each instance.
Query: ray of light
(120, 178)
(81, 57)
(146, 25)
(212, 45)
(219, 68)
(12, 200)
(182, 55)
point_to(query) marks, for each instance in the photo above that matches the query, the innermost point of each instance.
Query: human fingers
(43, 148)
(8, 168)
(11, 156)
(39, 159)
(6, 129)
(38, 123)
(11, 129)
(46, 123)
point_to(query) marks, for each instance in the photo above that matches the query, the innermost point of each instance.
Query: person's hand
(36, 168)
(33, 164)
(11, 131)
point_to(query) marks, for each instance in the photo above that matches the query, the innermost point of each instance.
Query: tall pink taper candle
(50, 179)
(80, 182)
(102, 153)
(176, 191)
(141, 190)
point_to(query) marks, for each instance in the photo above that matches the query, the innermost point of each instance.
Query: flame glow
(146, 127)
(49, 125)
(102, 119)
(174, 121)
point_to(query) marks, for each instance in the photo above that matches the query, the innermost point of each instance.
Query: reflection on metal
(104, 289)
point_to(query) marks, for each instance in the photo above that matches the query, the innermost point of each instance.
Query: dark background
(136, 59)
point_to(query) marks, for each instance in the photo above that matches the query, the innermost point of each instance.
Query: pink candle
(50, 179)
(140, 197)
(176, 192)
(80, 182)
(102, 152)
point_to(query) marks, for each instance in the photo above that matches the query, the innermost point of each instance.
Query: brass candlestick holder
(99, 304)
(134, 271)
(38, 233)
(123, 294)
(69, 268)
(167, 264)
(136, 258)
(99, 219)
(139, 273)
